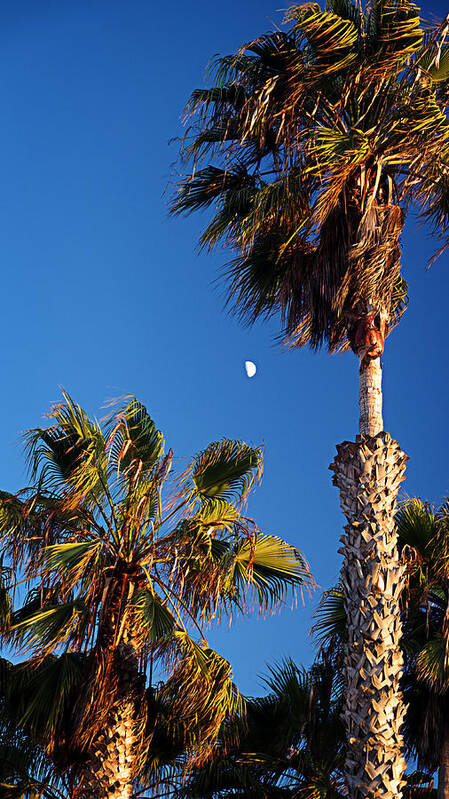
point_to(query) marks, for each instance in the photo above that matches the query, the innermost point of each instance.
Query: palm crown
(123, 561)
(289, 744)
(310, 146)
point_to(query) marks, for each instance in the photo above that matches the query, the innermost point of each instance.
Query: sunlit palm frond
(135, 443)
(415, 525)
(395, 31)
(46, 629)
(223, 472)
(201, 690)
(69, 453)
(153, 620)
(71, 561)
(432, 665)
(350, 105)
(270, 567)
(331, 37)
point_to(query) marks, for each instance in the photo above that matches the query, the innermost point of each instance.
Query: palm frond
(223, 472)
(330, 617)
(153, 621)
(330, 36)
(46, 629)
(201, 691)
(71, 451)
(134, 441)
(270, 567)
(432, 665)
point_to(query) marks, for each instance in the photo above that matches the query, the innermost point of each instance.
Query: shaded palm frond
(330, 617)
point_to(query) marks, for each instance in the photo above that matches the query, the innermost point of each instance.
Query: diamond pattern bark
(368, 474)
(113, 759)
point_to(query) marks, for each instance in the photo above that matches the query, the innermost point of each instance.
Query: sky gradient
(105, 295)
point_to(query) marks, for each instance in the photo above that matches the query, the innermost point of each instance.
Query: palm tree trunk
(110, 768)
(368, 473)
(370, 397)
(443, 770)
(113, 757)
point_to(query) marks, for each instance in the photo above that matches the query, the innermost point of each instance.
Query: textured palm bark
(113, 759)
(368, 474)
(443, 770)
(370, 396)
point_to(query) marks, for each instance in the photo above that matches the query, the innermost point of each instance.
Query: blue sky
(103, 294)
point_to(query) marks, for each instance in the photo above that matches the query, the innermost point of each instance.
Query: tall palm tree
(310, 148)
(123, 563)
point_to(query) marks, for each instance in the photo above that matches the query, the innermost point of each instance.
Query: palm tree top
(119, 553)
(310, 146)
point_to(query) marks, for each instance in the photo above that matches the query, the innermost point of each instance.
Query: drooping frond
(270, 567)
(201, 691)
(38, 695)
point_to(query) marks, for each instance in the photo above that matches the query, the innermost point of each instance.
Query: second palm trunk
(368, 473)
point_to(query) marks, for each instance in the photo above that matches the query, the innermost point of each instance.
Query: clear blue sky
(104, 294)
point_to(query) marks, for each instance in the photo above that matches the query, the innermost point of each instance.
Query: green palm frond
(38, 695)
(152, 618)
(71, 451)
(395, 32)
(134, 440)
(223, 472)
(432, 665)
(72, 560)
(345, 9)
(270, 567)
(201, 691)
(289, 741)
(415, 525)
(211, 184)
(13, 516)
(330, 37)
(330, 617)
(46, 629)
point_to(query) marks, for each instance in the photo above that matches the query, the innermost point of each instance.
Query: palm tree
(310, 147)
(423, 537)
(423, 540)
(122, 562)
(288, 744)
